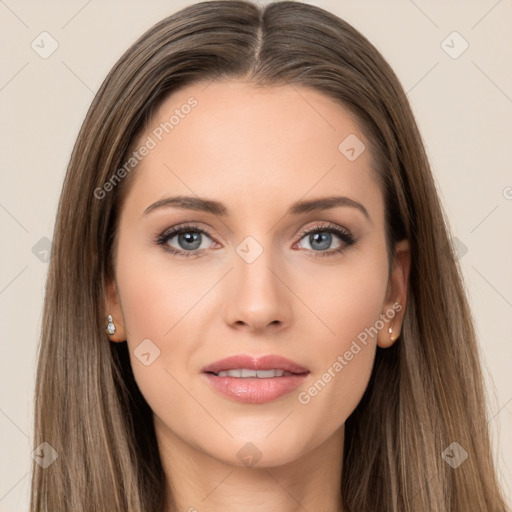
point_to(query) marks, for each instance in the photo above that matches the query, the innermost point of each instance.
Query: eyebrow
(218, 208)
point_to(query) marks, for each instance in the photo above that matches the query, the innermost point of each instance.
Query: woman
(252, 300)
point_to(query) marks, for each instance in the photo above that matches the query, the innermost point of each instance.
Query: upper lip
(267, 362)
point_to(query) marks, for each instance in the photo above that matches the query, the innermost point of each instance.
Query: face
(255, 266)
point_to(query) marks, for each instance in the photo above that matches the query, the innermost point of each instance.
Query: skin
(257, 151)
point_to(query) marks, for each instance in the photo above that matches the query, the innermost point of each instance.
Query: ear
(114, 308)
(396, 295)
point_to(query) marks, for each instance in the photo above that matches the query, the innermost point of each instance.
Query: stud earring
(110, 328)
(390, 331)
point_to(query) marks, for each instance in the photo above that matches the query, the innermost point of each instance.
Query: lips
(268, 362)
(261, 374)
(255, 380)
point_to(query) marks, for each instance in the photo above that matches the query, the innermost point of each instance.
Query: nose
(257, 296)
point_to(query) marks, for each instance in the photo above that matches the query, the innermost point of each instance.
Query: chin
(261, 450)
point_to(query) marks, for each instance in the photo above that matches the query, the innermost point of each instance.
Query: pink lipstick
(255, 380)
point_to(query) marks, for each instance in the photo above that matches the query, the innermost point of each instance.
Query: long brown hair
(425, 391)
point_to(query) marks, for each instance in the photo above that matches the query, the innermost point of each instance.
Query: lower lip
(252, 390)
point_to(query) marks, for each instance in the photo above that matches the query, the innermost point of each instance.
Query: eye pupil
(323, 237)
(189, 239)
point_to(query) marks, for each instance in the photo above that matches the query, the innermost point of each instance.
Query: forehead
(253, 147)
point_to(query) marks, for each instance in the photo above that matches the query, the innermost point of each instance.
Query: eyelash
(343, 234)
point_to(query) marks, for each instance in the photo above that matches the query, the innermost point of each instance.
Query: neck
(201, 483)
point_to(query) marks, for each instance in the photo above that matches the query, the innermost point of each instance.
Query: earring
(110, 328)
(390, 330)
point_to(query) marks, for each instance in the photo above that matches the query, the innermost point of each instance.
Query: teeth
(260, 374)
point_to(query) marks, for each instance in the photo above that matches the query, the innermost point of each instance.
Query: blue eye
(190, 239)
(320, 239)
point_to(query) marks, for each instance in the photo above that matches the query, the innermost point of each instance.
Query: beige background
(463, 107)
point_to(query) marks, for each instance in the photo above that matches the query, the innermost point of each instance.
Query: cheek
(350, 304)
(147, 300)
(155, 305)
(156, 293)
(346, 298)
(163, 302)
